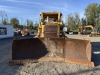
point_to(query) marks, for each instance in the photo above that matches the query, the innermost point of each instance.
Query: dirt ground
(49, 68)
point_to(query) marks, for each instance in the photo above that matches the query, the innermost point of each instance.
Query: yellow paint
(48, 15)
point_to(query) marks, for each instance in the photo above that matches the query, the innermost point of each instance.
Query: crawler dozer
(51, 44)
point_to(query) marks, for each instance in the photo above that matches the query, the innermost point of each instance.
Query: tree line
(16, 23)
(73, 20)
(29, 24)
(91, 14)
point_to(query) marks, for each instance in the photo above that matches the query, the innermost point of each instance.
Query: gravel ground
(48, 68)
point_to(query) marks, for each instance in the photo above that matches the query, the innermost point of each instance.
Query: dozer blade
(37, 49)
(78, 51)
(51, 49)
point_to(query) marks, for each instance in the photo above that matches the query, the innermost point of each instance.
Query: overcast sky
(30, 9)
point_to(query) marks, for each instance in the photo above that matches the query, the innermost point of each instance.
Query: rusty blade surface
(52, 49)
(36, 48)
(78, 51)
(76, 48)
(32, 48)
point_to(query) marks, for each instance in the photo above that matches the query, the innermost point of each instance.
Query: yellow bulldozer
(51, 45)
(50, 25)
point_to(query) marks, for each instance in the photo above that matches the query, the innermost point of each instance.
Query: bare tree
(2, 13)
(3, 17)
